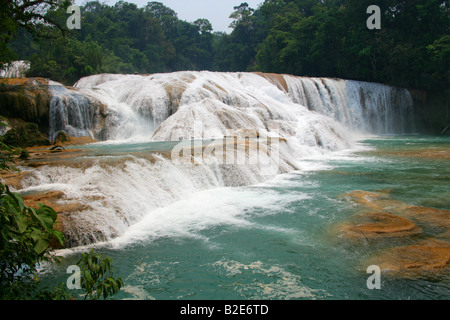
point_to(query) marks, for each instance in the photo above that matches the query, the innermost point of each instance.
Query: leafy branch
(97, 276)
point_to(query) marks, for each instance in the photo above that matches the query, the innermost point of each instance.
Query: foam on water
(271, 240)
(203, 210)
(283, 285)
(117, 192)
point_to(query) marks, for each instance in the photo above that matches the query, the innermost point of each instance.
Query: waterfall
(275, 121)
(363, 106)
(137, 106)
(75, 113)
(15, 69)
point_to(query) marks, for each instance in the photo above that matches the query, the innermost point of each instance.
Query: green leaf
(41, 241)
(106, 289)
(21, 221)
(48, 211)
(45, 215)
(41, 246)
(59, 236)
(17, 198)
(37, 234)
(88, 276)
(99, 292)
(114, 285)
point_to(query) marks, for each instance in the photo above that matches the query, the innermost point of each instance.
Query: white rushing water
(75, 113)
(309, 117)
(221, 101)
(15, 69)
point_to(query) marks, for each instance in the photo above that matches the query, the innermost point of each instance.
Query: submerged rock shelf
(383, 218)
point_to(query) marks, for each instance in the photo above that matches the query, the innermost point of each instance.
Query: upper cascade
(214, 104)
(363, 106)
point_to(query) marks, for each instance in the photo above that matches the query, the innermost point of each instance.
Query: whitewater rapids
(309, 117)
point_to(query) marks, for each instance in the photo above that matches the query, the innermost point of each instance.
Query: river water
(277, 239)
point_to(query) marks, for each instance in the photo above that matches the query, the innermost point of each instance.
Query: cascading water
(367, 107)
(75, 113)
(309, 117)
(137, 105)
(247, 186)
(15, 69)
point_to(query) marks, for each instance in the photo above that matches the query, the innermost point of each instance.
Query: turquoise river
(285, 239)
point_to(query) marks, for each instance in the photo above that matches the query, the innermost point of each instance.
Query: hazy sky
(216, 11)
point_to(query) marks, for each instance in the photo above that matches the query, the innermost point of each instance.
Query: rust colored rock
(376, 200)
(27, 99)
(63, 207)
(276, 79)
(378, 224)
(53, 200)
(379, 201)
(437, 217)
(13, 178)
(437, 153)
(427, 255)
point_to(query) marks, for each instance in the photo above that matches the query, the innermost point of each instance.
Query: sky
(216, 11)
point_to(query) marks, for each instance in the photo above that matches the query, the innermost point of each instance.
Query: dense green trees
(27, 15)
(330, 38)
(301, 37)
(120, 39)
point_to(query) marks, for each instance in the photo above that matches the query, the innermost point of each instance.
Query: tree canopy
(330, 38)
(327, 38)
(28, 15)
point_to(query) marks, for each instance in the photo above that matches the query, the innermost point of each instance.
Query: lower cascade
(265, 123)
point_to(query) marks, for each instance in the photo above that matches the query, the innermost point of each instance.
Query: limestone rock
(27, 99)
(378, 225)
(25, 135)
(424, 256)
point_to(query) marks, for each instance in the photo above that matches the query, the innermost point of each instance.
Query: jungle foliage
(327, 38)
